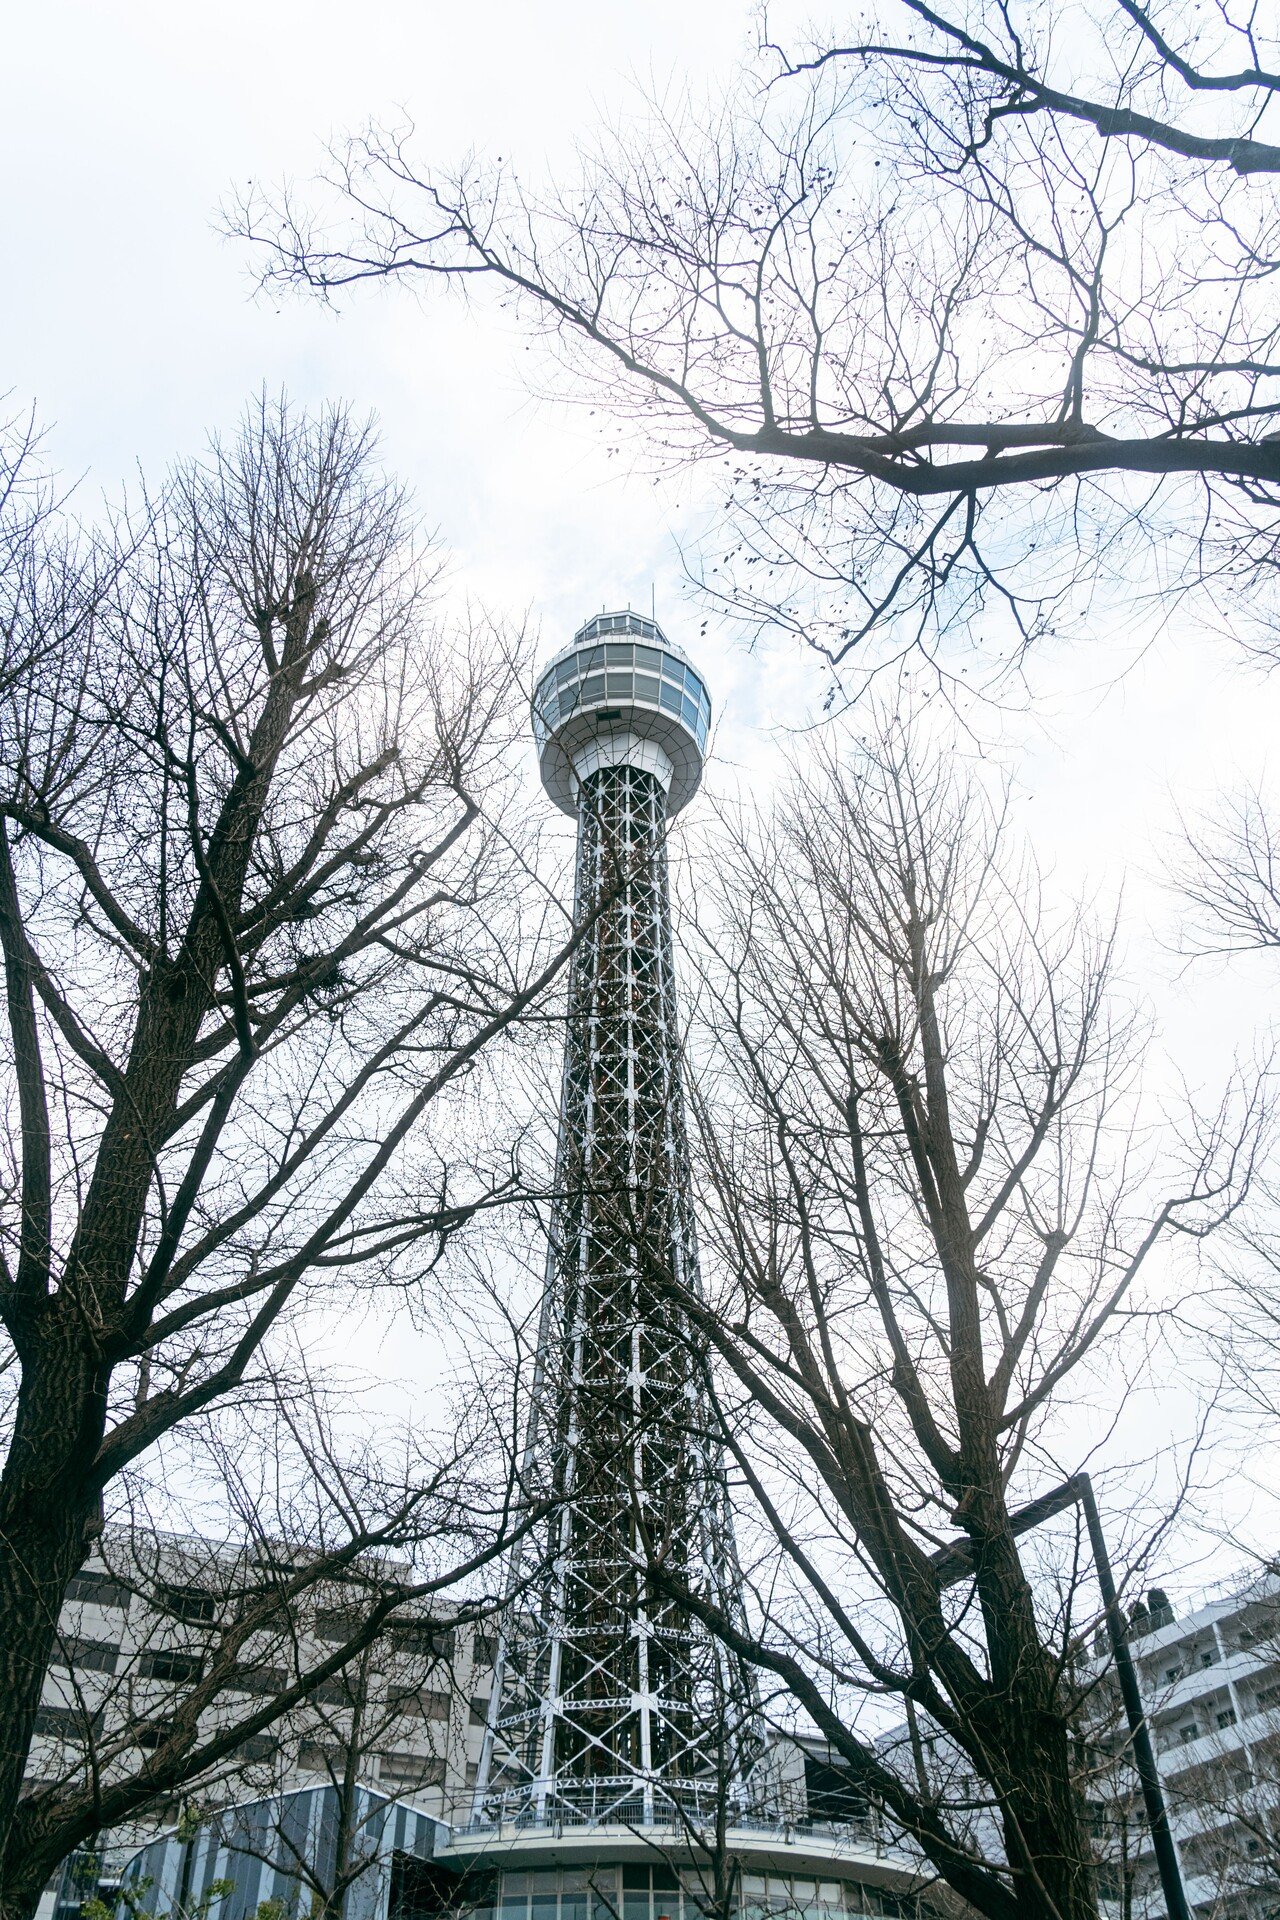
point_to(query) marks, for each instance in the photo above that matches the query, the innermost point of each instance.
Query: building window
(424, 1639)
(410, 1770)
(650, 1893)
(423, 1701)
(67, 1723)
(99, 1588)
(1227, 1718)
(167, 1663)
(149, 1734)
(95, 1656)
(193, 1604)
(335, 1692)
(260, 1680)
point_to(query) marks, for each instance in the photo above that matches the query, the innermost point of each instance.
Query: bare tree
(50, 579)
(1227, 887)
(976, 309)
(1229, 878)
(263, 915)
(928, 1200)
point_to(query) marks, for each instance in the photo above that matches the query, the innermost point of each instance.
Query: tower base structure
(751, 1871)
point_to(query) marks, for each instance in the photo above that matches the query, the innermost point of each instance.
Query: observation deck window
(619, 623)
(600, 673)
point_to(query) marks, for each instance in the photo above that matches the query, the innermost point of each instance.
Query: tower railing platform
(688, 1811)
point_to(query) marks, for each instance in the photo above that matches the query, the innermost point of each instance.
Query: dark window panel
(425, 1639)
(411, 1770)
(97, 1656)
(191, 1603)
(261, 1680)
(67, 1723)
(170, 1663)
(100, 1588)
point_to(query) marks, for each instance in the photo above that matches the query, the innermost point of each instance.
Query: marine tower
(619, 1735)
(610, 1703)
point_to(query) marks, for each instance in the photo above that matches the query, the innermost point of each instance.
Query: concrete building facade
(133, 1631)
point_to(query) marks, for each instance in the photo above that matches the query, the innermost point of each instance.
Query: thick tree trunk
(49, 1516)
(1044, 1835)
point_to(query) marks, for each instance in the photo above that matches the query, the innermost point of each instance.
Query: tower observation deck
(615, 1718)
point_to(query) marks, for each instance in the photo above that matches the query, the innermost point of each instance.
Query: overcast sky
(131, 326)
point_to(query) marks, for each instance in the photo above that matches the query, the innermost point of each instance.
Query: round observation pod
(621, 695)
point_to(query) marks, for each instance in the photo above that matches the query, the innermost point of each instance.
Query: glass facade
(644, 1892)
(622, 673)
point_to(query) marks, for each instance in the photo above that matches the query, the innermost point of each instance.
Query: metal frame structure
(609, 1703)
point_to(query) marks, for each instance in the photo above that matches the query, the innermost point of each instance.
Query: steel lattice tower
(609, 1703)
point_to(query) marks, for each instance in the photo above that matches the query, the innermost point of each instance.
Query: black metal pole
(954, 1562)
(1166, 1853)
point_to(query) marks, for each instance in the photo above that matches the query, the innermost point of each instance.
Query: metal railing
(684, 1809)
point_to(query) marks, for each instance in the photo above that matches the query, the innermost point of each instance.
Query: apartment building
(137, 1626)
(1210, 1683)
